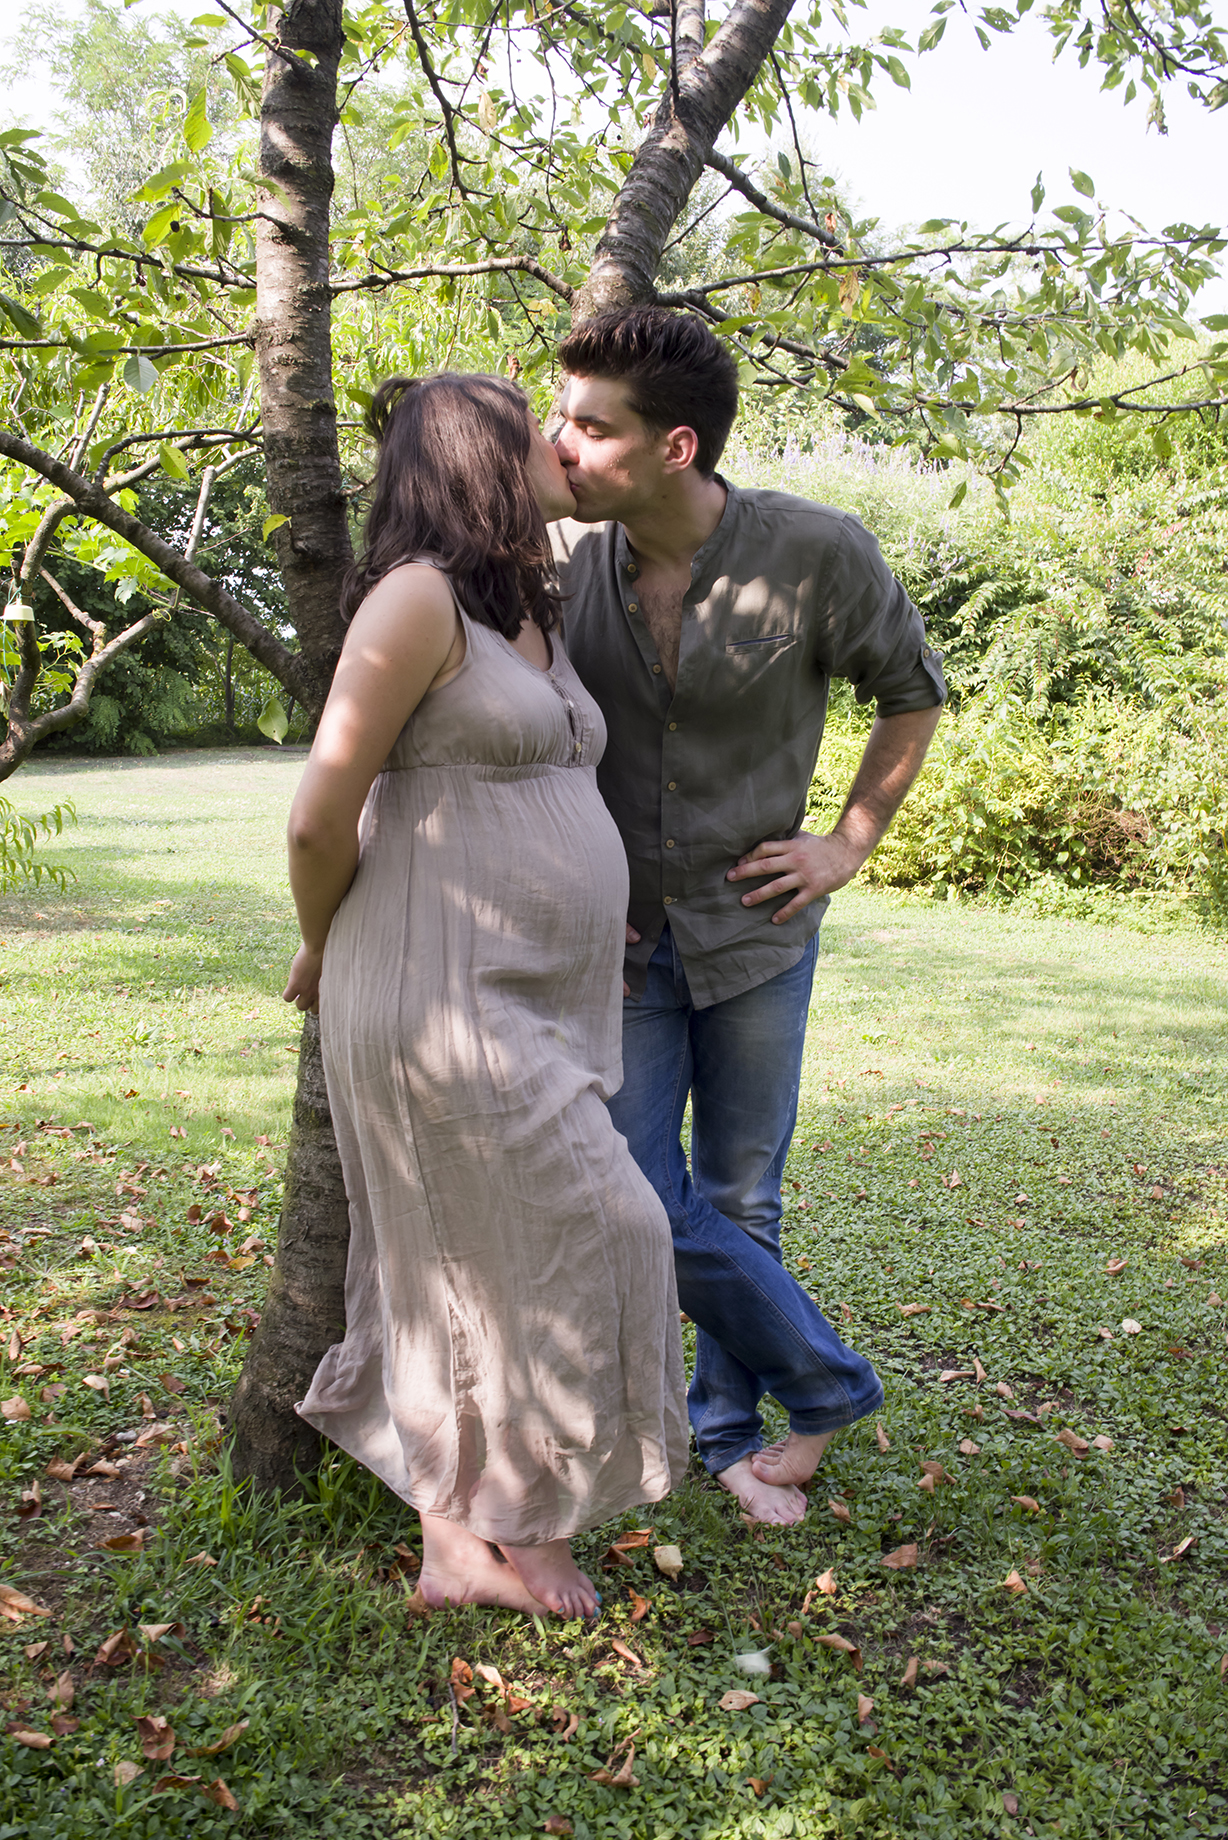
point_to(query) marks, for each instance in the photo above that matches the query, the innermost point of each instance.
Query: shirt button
(927, 652)
(673, 785)
(669, 900)
(577, 748)
(633, 606)
(669, 843)
(656, 670)
(673, 725)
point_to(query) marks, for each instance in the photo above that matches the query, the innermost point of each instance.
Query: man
(708, 621)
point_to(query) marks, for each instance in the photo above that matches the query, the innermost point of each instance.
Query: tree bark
(304, 1311)
(294, 329)
(704, 91)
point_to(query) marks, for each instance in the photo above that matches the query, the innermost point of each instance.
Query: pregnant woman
(511, 1365)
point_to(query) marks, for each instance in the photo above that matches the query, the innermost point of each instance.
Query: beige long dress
(512, 1357)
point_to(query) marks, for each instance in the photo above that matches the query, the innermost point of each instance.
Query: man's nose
(562, 445)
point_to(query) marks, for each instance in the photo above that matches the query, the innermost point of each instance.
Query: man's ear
(681, 446)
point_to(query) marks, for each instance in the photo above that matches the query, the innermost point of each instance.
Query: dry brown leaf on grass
(668, 1559)
(968, 1449)
(865, 1706)
(557, 1824)
(14, 1408)
(628, 1654)
(34, 1651)
(1180, 1550)
(60, 1471)
(201, 1558)
(461, 1680)
(123, 1542)
(840, 1511)
(760, 1784)
(102, 1468)
(796, 1630)
(737, 1700)
(127, 1773)
(825, 1583)
(490, 1675)
(633, 1540)
(640, 1606)
(1223, 1668)
(1076, 1445)
(116, 1649)
(936, 1667)
(33, 1740)
(908, 1679)
(1010, 1802)
(903, 1559)
(978, 1371)
(623, 1777)
(843, 1646)
(914, 1309)
(955, 1373)
(933, 1472)
(15, 1605)
(1027, 1501)
(1014, 1584)
(175, 1782)
(62, 1692)
(699, 1638)
(881, 1438)
(157, 1738)
(1130, 1327)
(1102, 1443)
(1115, 1266)
(1003, 1390)
(154, 1632)
(230, 1736)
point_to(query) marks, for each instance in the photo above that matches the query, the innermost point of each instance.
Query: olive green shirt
(785, 595)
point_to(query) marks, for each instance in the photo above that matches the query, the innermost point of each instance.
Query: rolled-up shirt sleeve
(869, 632)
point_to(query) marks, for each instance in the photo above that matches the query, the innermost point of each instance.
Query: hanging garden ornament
(18, 609)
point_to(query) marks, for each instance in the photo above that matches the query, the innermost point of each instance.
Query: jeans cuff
(714, 1461)
(835, 1418)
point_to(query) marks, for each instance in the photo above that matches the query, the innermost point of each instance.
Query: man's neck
(669, 533)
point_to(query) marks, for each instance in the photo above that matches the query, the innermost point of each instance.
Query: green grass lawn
(1011, 1163)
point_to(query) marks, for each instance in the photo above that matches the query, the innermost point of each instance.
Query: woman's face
(547, 479)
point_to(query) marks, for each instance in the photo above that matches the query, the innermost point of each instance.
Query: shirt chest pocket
(761, 645)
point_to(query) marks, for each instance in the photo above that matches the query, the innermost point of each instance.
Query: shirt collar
(705, 556)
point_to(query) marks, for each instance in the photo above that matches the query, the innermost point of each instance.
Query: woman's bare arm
(404, 640)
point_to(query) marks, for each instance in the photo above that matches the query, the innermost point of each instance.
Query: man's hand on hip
(805, 866)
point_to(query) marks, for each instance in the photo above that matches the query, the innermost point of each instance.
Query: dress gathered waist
(480, 769)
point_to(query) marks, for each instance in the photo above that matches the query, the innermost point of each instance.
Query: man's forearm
(891, 762)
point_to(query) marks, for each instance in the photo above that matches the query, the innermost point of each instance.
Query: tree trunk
(230, 682)
(294, 328)
(703, 92)
(304, 1312)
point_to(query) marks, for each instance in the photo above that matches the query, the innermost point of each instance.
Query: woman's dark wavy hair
(452, 483)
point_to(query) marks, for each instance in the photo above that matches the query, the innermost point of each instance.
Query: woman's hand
(303, 984)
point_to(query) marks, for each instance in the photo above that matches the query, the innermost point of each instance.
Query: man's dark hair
(452, 482)
(677, 373)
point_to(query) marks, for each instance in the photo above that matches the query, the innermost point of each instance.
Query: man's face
(616, 466)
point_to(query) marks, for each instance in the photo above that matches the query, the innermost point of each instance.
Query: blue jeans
(758, 1331)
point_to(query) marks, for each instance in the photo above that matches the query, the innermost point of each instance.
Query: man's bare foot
(551, 1574)
(762, 1501)
(458, 1568)
(793, 1460)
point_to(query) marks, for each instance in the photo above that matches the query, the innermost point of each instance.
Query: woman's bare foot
(550, 1573)
(793, 1460)
(779, 1505)
(458, 1568)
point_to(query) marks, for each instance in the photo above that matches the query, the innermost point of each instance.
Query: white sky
(968, 139)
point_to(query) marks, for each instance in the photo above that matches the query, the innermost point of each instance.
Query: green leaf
(1216, 322)
(21, 317)
(898, 73)
(931, 35)
(273, 721)
(197, 129)
(1160, 441)
(1082, 184)
(159, 226)
(958, 495)
(272, 523)
(162, 182)
(140, 375)
(866, 404)
(1038, 192)
(172, 461)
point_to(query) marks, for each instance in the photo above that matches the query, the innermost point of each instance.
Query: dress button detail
(633, 606)
(656, 670)
(669, 900)
(669, 843)
(673, 725)
(673, 786)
